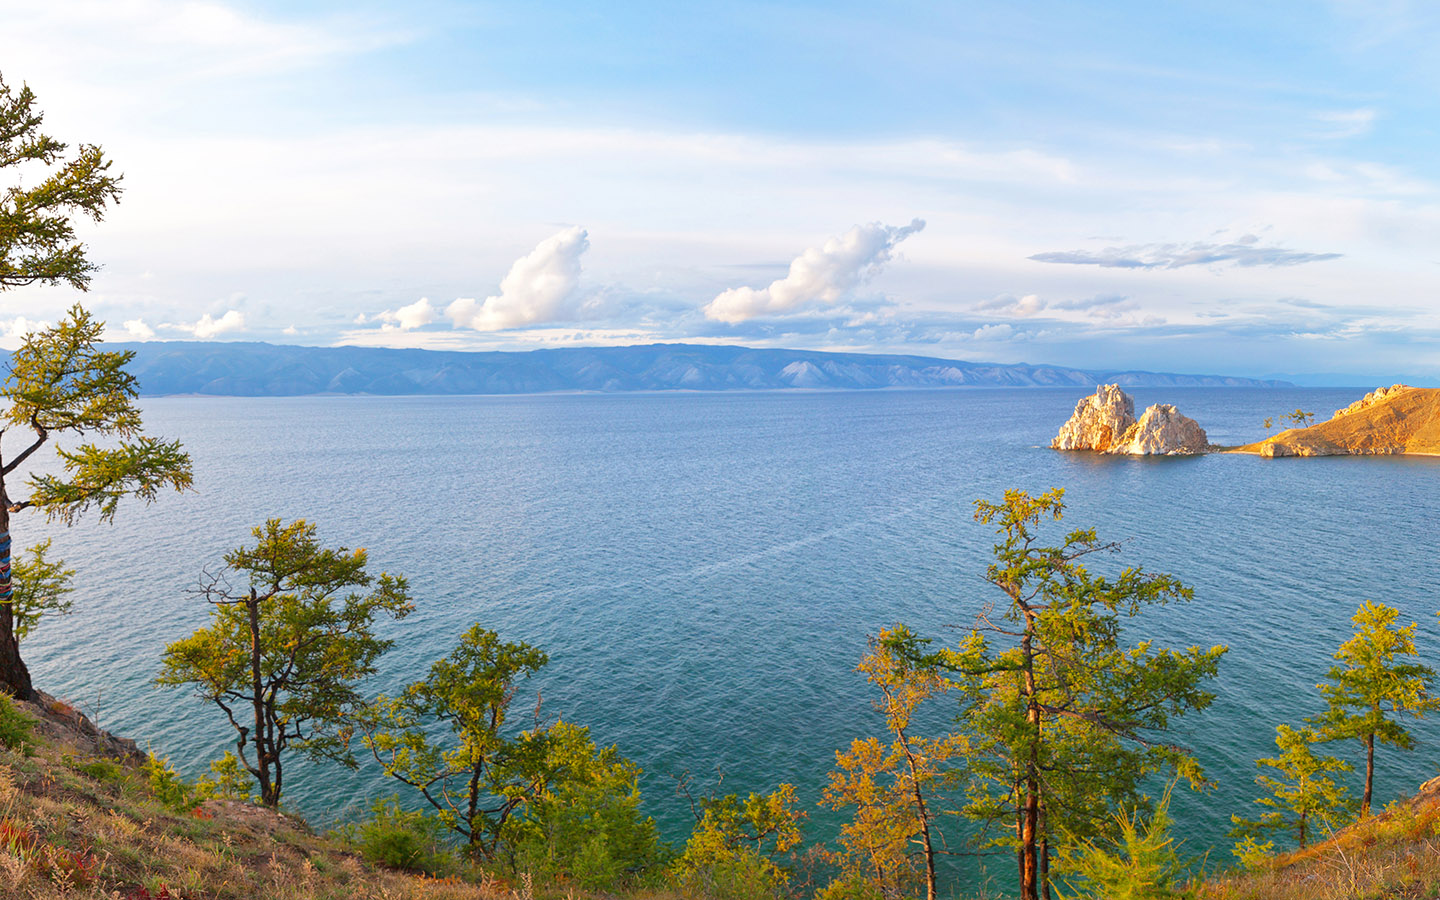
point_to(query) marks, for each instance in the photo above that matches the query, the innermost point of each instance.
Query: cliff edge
(1395, 419)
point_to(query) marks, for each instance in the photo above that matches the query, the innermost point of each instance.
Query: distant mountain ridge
(260, 370)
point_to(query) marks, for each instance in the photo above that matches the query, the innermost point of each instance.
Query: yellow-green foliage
(731, 853)
(15, 726)
(1143, 863)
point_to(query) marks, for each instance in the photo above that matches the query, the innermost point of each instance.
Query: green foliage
(15, 726)
(584, 825)
(101, 769)
(1303, 798)
(1372, 686)
(446, 737)
(41, 589)
(1299, 418)
(227, 779)
(283, 658)
(732, 851)
(167, 786)
(1253, 853)
(1142, 863)
(1065, 720)
(37, 234)
(400, 839)
(895, 788)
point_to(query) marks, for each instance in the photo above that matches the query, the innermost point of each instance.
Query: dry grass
(79, 825)
(1395, 855)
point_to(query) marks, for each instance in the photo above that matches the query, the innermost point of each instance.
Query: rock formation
(1397, 419)
(1105, 423)
(1098, 421)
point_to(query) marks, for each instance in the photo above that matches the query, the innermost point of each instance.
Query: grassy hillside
(80, 817)
(1394, 855)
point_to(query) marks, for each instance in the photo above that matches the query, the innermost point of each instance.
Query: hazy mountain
(255, 369)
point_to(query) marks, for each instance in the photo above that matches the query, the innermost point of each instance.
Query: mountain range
(259, 369)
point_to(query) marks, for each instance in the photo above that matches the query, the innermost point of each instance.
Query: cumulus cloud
(137, 329)
(1244, 251)
(999, 332)
(20, 327)
(209, 326)
(406, 318)
(540, 287)
(821, 274)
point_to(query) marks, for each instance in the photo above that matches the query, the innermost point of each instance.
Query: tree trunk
(1030, 835)
(264, 757)
(1369, 775)
(14, 677)
(1044, 852)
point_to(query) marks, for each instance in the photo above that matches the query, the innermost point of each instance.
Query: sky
(1217, 187)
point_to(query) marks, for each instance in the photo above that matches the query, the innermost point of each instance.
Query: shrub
(168, 787)
(400, 838)
(14, 726)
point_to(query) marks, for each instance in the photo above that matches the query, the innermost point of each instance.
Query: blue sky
(1219, 187)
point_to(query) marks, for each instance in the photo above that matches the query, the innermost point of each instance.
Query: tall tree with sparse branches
(1065, 717)
(58, 382)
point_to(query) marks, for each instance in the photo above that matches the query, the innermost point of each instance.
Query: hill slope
(1397, 419)
(256, 369)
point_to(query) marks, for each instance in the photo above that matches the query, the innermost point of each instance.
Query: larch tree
(284, 652)
(58, 382)
(1373, 685)
(1065, 718)
(1304, 794)
(895, 789)
(447, 736)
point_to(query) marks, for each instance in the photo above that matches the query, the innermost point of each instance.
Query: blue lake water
(704, 568)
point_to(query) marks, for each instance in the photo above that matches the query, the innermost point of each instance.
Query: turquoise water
(704, 569)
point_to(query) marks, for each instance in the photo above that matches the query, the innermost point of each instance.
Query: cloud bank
(1244, 251)
(207, 327)
(540, 287)
(821, 274)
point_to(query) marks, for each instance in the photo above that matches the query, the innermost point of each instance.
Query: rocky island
(1390, 420)
(1105, 423)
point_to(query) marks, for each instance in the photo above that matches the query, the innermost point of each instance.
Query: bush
(168, 787)
(400, 839)
(14, 726)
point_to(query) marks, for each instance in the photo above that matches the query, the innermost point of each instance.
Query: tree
(1303, 795)
(282, 657)
(894, 789)
(479, 778)
(37, 231)
(1372, 686)
(1299, 418)
(733, 847)
(1269, 423)
(58, 383)
(42, 588)
(1064, 720)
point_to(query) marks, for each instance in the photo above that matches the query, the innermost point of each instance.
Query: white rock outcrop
(1162, 430)
(1098, 421)
(1376, 396)
(1105, 423)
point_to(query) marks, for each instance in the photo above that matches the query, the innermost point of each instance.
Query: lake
(703, 569)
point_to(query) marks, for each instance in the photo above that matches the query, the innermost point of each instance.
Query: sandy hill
(1397, 419)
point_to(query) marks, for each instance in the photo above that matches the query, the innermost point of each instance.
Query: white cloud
(406, 318)
(821, 274)
(290, 330)
(539, 287)
(1347, 123)
(1000, 332)
(1008, 304)
(20, 327)
(137, 329)
(209, 326)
